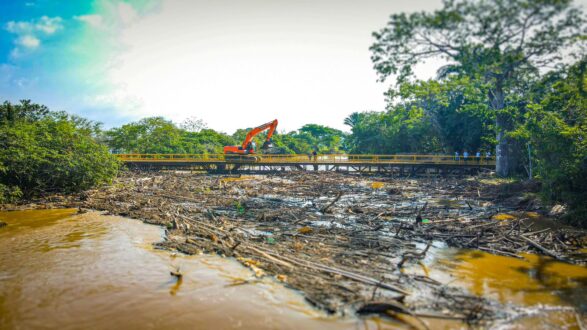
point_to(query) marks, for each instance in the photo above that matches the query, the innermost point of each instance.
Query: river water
(59, 269)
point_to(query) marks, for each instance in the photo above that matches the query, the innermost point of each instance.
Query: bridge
(412, 164)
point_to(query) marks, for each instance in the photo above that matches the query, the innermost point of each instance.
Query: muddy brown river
(62, 270)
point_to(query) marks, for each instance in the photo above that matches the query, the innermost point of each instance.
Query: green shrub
(50, 152)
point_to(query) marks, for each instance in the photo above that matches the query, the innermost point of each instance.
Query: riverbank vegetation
(49, 152)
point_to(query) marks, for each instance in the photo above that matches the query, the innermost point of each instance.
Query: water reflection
(529, 281)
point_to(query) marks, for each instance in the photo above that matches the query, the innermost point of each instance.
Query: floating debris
(343, 240)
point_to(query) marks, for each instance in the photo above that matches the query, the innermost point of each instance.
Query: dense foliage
(452, 114)
(501, 44)
(157, 135)
(555, 129)
(426, 117)
(309, 138)
(43, 151)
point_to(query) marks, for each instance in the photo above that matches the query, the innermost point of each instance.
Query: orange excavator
(247, 150)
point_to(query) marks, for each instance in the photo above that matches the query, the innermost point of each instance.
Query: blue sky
(59, 52)
(231, 63)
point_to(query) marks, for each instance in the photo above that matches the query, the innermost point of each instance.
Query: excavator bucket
(267, 145)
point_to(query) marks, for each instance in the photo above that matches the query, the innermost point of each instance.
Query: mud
(345, 240)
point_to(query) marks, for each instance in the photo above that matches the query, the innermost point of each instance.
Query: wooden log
(541, 248)
(325, 209)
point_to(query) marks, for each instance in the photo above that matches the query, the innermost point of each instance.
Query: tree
(205, 141)
(457, 111)
(325, 139)
(310, 137)
(353, 119)
(193, 124)
(158, 135)
(498, 42)
(149, 135)
(25, 111)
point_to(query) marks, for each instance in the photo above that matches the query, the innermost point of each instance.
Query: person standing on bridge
(465, 155)
(478, 156)
(315, 153)
(457, 156)
(487, 156)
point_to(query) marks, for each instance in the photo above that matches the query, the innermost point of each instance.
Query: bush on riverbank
(49, 152)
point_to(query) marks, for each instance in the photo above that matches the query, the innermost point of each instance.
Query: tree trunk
(506, 157)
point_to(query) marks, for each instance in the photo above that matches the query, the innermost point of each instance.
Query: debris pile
(345, 241)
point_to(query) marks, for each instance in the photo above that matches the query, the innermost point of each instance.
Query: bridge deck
(361, 163)
(305, 159)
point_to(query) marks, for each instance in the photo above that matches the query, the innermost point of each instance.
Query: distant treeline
(157, 135)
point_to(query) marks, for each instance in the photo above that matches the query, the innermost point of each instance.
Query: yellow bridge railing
(306, 159)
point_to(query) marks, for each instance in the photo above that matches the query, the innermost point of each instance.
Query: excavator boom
(272, 125)
(247, 147)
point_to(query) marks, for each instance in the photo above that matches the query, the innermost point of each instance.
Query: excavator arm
(246, 146)
(272, 125)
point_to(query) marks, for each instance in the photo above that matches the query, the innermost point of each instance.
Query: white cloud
(19, 27)
(28, 41)
(46, 25)
(49, 25)
(114, 16)
(92, 20)
(28, 33)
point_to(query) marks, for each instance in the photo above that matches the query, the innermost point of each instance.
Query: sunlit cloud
(28, 41)
(96, 21)
(45, 25)
(49, 25)
(28, 34)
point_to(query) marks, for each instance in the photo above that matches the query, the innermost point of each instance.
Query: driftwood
(327, 207)
(541, 248)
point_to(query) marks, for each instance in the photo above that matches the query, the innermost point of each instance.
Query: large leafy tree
(456, 109)
(498, 42)
(149, 135)
(426, 116)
